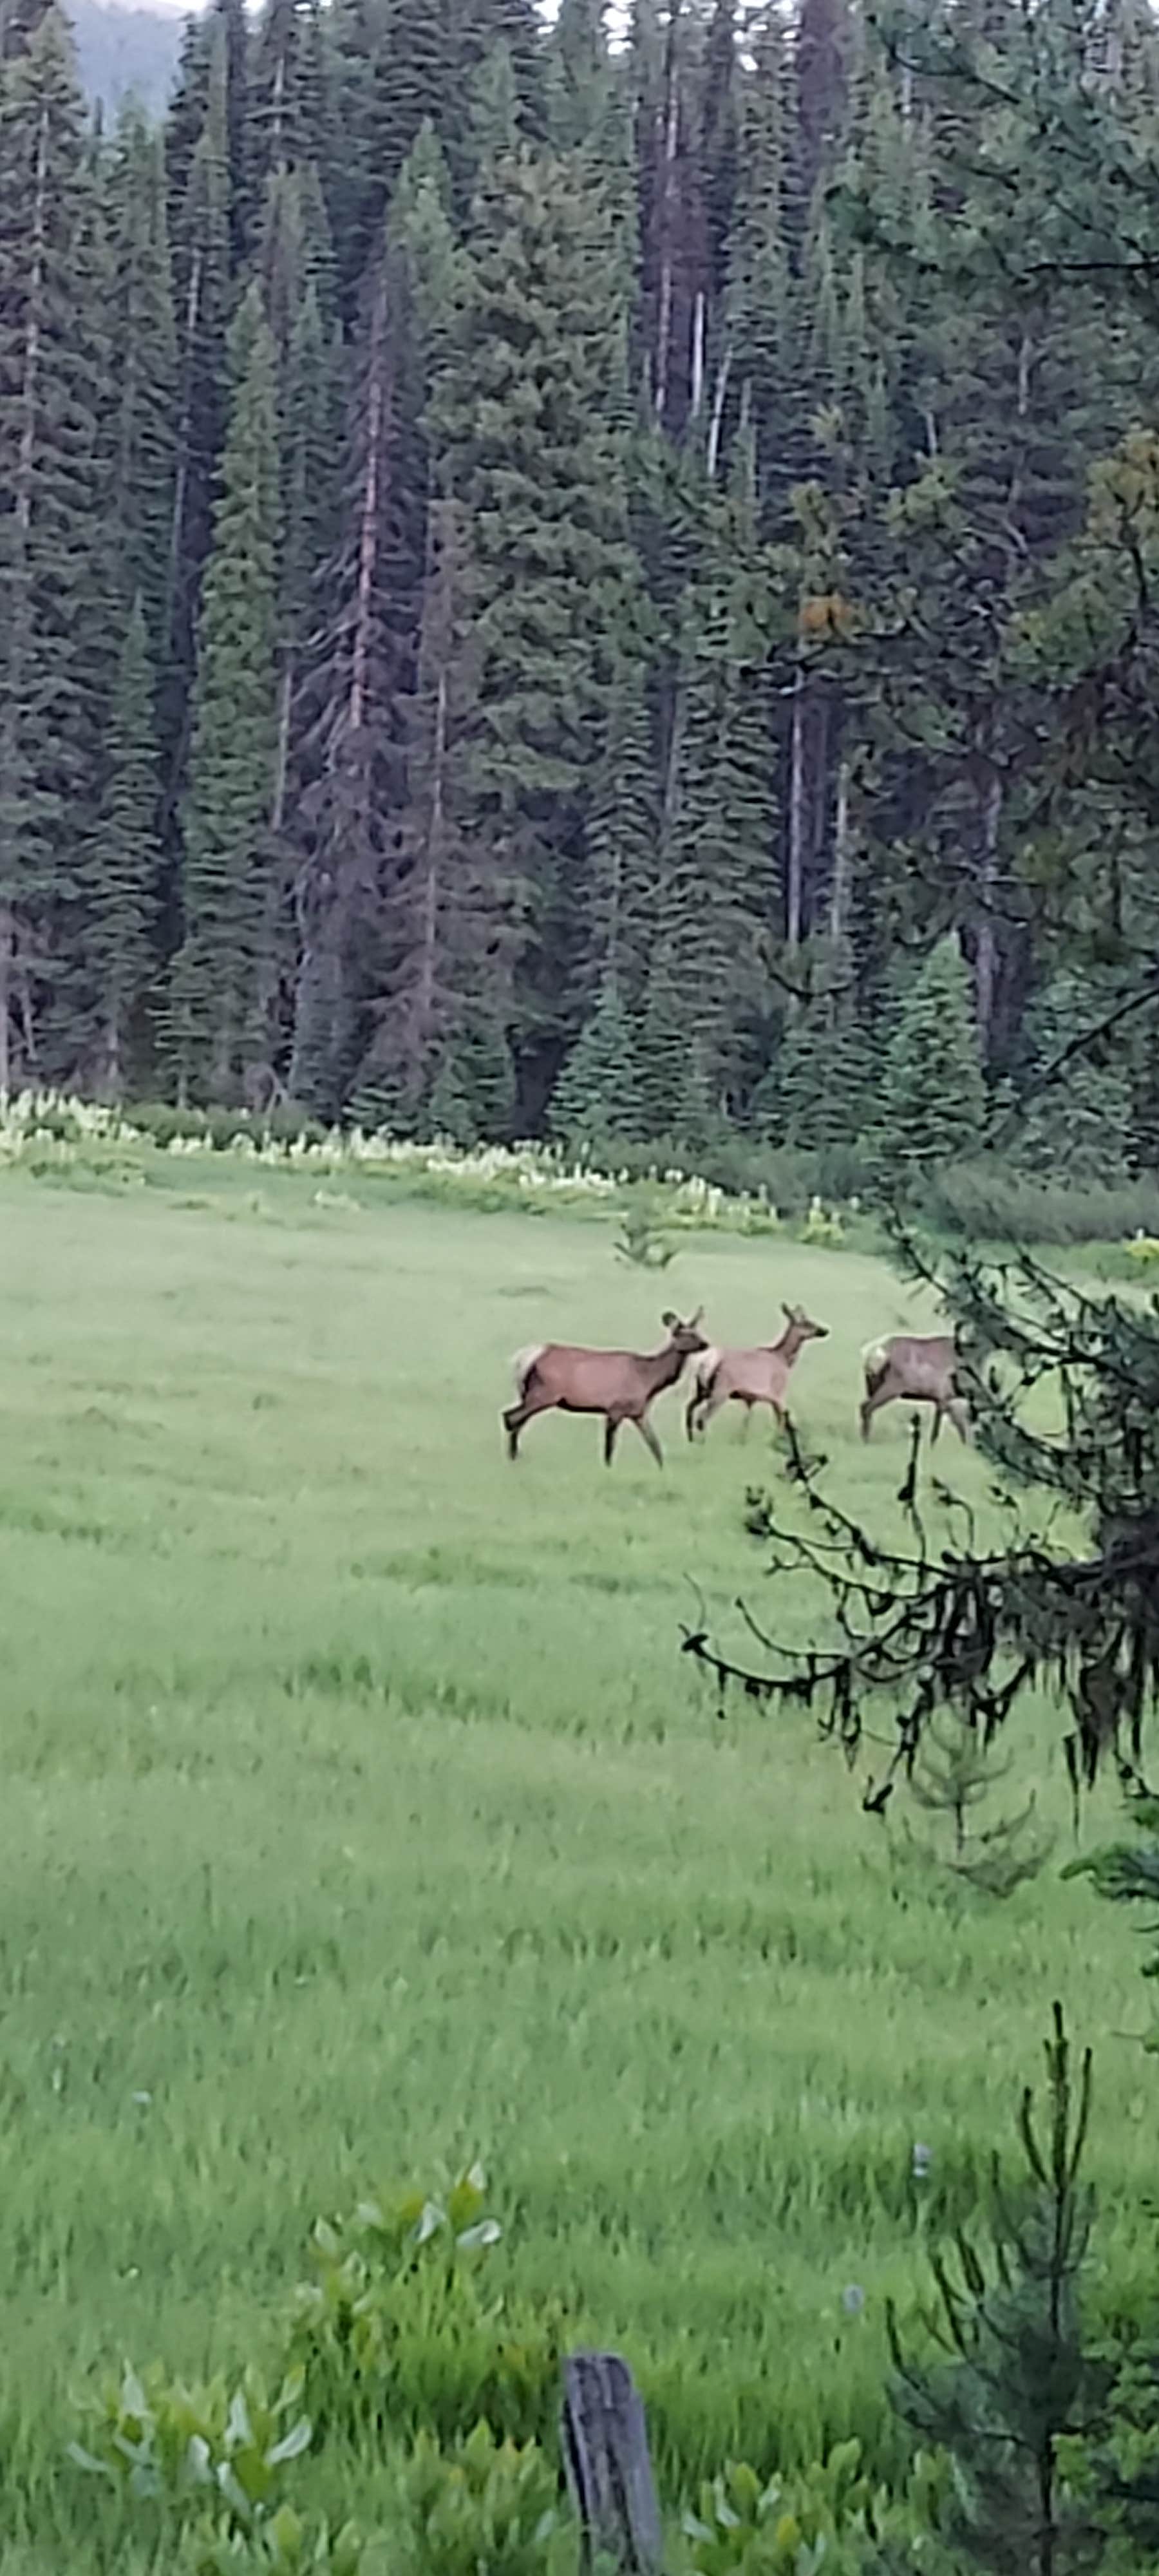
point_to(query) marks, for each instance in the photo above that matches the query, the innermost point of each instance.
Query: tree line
(550, 583)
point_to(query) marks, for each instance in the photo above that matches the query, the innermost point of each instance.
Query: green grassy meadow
(360, 1815)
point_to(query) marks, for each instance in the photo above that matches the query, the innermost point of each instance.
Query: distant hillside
(126, 49)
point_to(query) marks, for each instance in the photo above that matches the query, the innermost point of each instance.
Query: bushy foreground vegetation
(1040, 2438)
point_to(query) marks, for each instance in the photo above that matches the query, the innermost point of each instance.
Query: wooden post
(609, 2473)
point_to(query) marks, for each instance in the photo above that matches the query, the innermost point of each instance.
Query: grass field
(359, 1814)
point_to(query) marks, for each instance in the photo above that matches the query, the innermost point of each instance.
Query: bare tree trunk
(716, 424)
(697, 384)
(432, 855)
(842, 857)
(795, 874)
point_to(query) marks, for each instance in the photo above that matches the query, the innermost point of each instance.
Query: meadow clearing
(360, 1816)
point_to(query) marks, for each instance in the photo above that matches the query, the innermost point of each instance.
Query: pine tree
(596, 1102)
(49, 436)
(1080, 1125)
(122, 873)
(143, 335)
(717, 860)
(817, 1091)
(622, 841)
(933, 1101)
(535, 452)
(217, 1034)
(202, 271)
(954, 1773)
(1019, 2382)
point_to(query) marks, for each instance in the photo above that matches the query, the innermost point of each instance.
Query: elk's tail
(523, 1364)
(874, 1361)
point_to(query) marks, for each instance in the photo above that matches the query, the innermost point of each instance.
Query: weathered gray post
(609, 2473)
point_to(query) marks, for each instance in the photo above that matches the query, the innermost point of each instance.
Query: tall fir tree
(49, 459)
(143, 336)
(534, 436)
(596, 1104)
(1078, 1126)
(122, 870)
(221, 973)
(203, 289)
(933, 1100)
(716, 895)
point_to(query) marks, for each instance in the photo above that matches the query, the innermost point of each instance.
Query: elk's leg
(690, 1423)
(712, 1404)
(959, 1414)
(746, 1417)
(611, 1426)
(939, 1410)
(516, 1419)
(871, 1405)
(648, 1437)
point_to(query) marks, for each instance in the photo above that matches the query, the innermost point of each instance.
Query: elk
(759, 1376)
(557, 1377)
(915, 1369)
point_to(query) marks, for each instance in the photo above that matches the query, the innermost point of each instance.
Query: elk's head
(802, 1326)
(686, 1338)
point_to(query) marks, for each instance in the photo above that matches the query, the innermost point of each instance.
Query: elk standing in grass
(914, 1368)
(558, 1377)
(759, 1376)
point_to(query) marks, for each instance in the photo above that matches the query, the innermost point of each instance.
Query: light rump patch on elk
(562, 1377)
(757, 1376)
(914, 1368)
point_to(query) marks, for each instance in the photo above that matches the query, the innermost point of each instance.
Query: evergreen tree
(202, 271)
(933, 1101)
(123, 866)
(535, 451)
(596, 1102)
(220, 973)
(1020, 2382)
(1080, 1125)
(954, 1773)
(817, 1092)
(717, 859)
(143, 337)
(49, 444)
(622, 838)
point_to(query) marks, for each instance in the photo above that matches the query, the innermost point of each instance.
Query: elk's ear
(669, 1320)
(696, 1320)
(788, 1313)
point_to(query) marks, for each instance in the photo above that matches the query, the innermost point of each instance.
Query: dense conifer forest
(599, 587)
